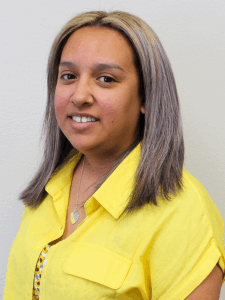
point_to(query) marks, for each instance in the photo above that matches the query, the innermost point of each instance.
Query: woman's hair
(159, 172)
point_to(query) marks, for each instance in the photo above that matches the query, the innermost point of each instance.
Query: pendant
(74, 216)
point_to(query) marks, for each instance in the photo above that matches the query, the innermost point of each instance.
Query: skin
(210, 288)
(97, 76)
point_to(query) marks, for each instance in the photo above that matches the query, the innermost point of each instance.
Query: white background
(192, 32)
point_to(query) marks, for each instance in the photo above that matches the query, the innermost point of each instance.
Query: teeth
(83, 119)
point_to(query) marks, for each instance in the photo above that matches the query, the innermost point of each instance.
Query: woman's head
(156, 83)
(97, 101)
(161, 162)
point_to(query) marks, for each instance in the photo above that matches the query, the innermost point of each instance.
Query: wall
(192, 32)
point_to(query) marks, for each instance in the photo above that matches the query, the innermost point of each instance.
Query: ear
(142, 109)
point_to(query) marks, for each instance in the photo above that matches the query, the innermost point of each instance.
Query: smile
(83, 119)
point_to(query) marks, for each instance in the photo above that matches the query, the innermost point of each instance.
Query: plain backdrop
(192, 32)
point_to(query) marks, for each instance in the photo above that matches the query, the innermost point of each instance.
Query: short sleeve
(188, 243)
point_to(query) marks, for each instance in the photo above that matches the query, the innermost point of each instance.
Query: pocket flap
(97, 264)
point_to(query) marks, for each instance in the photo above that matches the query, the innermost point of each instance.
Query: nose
(82, 93)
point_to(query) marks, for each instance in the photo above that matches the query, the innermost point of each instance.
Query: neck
(97, 166)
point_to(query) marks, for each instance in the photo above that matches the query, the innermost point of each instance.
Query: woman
(111, 214)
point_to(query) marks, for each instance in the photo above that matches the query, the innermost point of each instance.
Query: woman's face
(97, 102)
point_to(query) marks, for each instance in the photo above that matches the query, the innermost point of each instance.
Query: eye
(67, 76)
(106, 79)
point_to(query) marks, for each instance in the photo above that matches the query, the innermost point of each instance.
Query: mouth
(83, 119)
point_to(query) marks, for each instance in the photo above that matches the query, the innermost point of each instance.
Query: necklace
(74, 216)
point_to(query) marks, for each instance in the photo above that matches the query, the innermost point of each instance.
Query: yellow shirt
(160, 253)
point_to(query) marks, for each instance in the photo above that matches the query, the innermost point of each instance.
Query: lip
(81, 115)
(82, 126)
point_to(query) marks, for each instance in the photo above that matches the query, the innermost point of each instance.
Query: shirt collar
(61, 179)
(114, 193)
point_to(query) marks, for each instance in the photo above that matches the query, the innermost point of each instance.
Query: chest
(93, 267)
(78, 197)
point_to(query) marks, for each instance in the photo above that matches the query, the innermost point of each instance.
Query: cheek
(110, 111)
(60, 103)
(119, 106)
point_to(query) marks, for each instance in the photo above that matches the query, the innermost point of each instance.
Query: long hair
(159, 172)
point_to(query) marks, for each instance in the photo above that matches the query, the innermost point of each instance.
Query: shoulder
(193, 207)
(189, 224)
(196, 197)
(187, 240)
(190, 207)
(192, 200)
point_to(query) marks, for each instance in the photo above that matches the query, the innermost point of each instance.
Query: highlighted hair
(159, 172)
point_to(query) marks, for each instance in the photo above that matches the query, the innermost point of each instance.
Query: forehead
(98, 43)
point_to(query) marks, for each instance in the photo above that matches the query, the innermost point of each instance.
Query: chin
(85, 146)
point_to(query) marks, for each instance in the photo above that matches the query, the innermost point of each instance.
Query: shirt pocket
(98, 264)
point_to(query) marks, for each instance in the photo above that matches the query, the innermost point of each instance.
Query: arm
(210, 288)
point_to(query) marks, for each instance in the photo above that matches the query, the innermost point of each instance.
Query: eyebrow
(99, 66)
(67, 64)
(103, 66)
